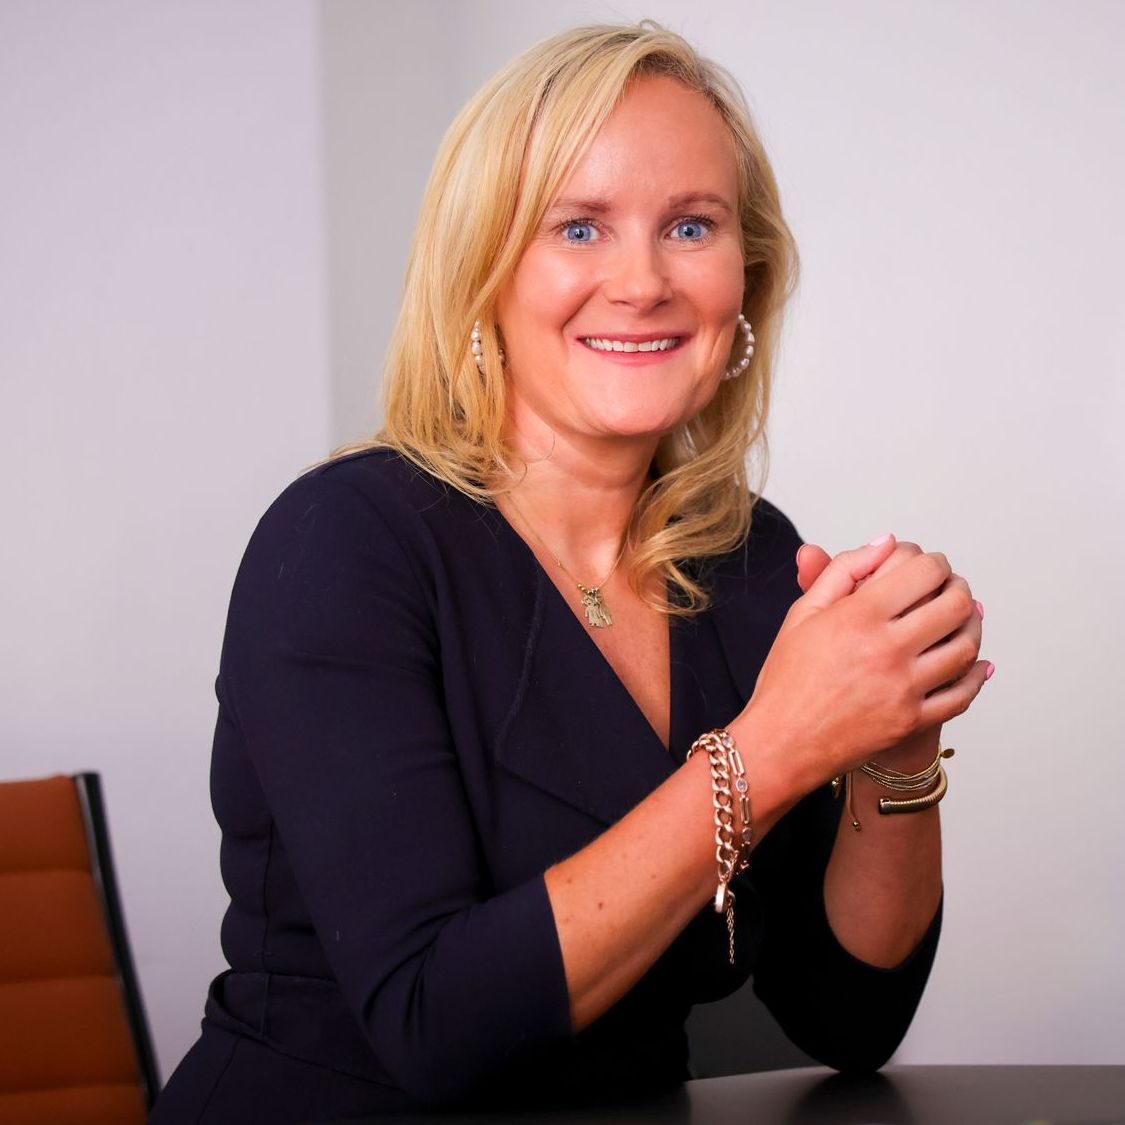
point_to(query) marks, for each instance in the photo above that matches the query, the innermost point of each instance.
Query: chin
(647, 420)
(638, 428)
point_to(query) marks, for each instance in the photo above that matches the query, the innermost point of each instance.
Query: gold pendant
(597, 612)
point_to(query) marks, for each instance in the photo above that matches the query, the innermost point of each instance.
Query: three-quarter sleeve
(844, 1012)
(333, 672)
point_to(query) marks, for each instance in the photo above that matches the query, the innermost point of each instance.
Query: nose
(638, 275)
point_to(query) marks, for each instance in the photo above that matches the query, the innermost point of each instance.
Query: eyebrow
(601, 205)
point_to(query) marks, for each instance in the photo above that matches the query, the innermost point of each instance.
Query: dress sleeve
(332, 667)
(844, 1012)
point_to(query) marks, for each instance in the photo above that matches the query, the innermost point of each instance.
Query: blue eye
(579, 232)
(691, 230)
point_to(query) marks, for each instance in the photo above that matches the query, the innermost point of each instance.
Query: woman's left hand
(918, 750)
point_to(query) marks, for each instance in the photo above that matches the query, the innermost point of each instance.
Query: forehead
(661, 137)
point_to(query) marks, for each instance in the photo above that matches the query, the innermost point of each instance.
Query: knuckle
(942, 563)
(966, 698)
(934, 568)
(910, 718)
(959, 582)
(906, 711)
(967, 649)
(961, 601)
(960, 704)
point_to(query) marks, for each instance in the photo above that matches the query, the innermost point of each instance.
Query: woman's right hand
(849, 672)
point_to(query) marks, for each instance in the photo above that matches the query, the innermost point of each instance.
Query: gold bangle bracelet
(892, 779)
(898, 783)
(916, 804)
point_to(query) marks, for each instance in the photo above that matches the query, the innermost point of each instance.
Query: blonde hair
(499, 167)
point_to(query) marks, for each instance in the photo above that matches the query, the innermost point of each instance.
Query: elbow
(844, 1045)
(855, 1057)
(427, 1059)
(439, 1052)
(837, 1030)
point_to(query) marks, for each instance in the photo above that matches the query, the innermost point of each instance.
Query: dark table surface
(898, 1095)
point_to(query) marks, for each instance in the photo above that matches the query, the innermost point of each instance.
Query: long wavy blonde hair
(500, 165)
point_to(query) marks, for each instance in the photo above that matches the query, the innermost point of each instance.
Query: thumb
(811, 561)
(838, 579)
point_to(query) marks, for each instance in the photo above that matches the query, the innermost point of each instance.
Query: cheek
(719, 286)
(546, 290)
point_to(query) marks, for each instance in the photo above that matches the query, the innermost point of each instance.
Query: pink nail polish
(878, 542)
(980, 608)
(989, 670)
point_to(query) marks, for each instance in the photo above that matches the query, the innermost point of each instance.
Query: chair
(74, 1043)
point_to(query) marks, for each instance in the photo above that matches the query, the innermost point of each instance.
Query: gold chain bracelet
(728, 778)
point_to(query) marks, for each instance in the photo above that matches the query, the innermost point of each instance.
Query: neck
(578, 496)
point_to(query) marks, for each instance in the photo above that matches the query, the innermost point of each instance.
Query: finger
(950, 659)
(902, 552)
(811, 561)
(937, 616)
(954, 700)
(839, 577)
(896, 592)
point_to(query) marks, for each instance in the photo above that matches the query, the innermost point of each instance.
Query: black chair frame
(89, 789)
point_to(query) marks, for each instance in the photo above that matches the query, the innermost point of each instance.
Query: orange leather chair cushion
(66, 1052)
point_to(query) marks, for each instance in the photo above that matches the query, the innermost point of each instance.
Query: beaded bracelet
(731, 854)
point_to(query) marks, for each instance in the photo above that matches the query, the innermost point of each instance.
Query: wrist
(911, 754)
(772, 766)
(913, 791)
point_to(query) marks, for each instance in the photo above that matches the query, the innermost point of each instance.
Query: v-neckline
(562, 606)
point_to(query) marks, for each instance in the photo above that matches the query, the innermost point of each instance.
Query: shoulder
(765, 561)
(771, 539)
(338, 558)
(378, 479)
(376, 517)
(371, 500)
(770, 529)
(349, 522)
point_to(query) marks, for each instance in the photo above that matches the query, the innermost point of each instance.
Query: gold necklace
(593, 602)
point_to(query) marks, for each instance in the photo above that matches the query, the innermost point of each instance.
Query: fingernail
(980, 609)
(989, 670)
(880, 541)
(799, 550)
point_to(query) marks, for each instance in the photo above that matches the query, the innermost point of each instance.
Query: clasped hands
(881, 650)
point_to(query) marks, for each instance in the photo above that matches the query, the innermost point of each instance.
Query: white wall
(952, 371)
(954, 365)
(163, 353)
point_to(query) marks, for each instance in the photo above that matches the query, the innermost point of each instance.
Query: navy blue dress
(413, 726)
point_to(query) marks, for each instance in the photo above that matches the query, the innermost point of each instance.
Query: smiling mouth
(608, 344)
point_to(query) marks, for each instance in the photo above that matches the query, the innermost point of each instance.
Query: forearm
(621, 901)
(883, 882)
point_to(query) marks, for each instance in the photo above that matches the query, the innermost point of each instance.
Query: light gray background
(204, 212)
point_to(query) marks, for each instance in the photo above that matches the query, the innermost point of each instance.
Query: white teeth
(602, 344)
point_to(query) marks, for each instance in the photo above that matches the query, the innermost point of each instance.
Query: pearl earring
(744, 362)
(477, 348)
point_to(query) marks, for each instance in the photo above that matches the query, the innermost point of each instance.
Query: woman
(464, 666)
